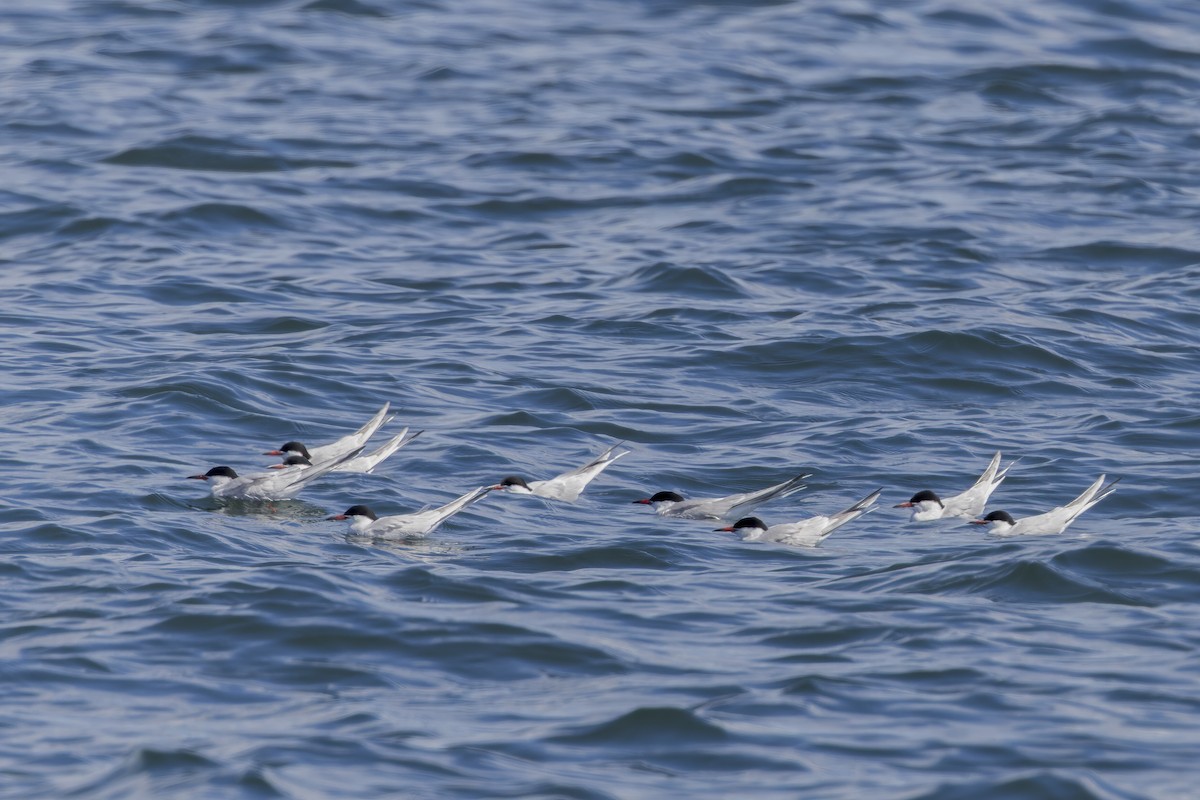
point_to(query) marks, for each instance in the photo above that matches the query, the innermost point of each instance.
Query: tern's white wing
(738, 504)
(718, 508)
(972, 502)
(1058, 519)
(421, 523)
(812, 531)
(367, 462)
(354, 441)
(284, 484)
(569, 485)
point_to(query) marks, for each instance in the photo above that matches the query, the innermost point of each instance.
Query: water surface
(874, 241)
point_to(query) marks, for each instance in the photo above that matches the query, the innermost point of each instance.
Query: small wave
(726, 110)
(429, 586)
(973, 363)
(651, 556)
(206, 154)
(264, 326)
(1035, 581)
(673, 728)
(977, 18)
(695, 281)
(148, 767)
(532, 161)
(95, 226)
(1057, 785)
(1147, 578)
(195, 392)
(1090, 574)
(43, 218)
(1132, 49)
(1120, 254)
(219, 216)
(828, 637)
(501, 652)
(539, 205)
(554, 399)
(353, 8)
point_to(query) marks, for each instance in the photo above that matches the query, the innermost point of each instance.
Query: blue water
(877, 241)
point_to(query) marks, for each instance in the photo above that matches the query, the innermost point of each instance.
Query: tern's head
(997, 521)
(218, 474)
(924, 499)
(513, 483)
(746, 524)
(292, 461)
(354, 513)
(290, 449)
(660, 497)
(925, 506)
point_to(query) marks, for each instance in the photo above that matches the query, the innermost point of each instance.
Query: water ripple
(876, 244)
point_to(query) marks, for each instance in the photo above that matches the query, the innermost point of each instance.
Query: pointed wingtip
(474, 496)
(868, 502)
(611, 455)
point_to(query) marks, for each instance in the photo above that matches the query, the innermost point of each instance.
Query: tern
(672, 504)
(354, 441)
(406, 526)
(365, 463)
(805, 533)
(566, 487)
(294, 461)
(281, 484)
(1054, 521)
(926, 505)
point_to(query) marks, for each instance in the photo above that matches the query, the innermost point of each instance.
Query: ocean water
(875, 241)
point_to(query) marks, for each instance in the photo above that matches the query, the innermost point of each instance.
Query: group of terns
(302, 465)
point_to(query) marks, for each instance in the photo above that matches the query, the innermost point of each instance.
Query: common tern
(281, 484)
(672, 504)
(1053, 521)
(365, 463)
(805, 533)
(926, 505)
(567, 486)
(406, 526)
(333, 450)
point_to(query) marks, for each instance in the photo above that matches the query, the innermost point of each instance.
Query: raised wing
(354, 441)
